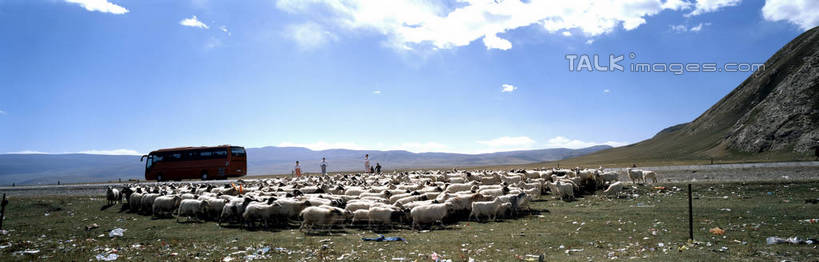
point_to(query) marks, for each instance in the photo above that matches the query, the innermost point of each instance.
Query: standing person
(366, 163)
(323, 166)
(297, 169)
(378, 168)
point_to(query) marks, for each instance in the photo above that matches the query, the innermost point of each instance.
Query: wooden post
(690, 216)
(3, 210)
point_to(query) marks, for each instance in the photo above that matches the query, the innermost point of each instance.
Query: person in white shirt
(297, 170)
(323, 166)
(366, 163)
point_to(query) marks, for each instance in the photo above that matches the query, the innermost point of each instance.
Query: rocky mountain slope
(772, 115)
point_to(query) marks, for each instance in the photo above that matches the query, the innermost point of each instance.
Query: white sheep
(565, 190)
(191, 208)
(385, 215)
(258, 211)
(113, 195)
(614, 189)
(147, 202)
(360, 216)
(322, 216)
(494, 192)
(635, 175)
(452, 188)
(649, 175)
(165, 205)
(429, 214)
(485, 208)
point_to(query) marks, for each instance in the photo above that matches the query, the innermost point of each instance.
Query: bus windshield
(237, 151)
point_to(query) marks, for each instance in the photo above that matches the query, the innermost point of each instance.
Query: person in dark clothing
(372, 170)
(378, 168)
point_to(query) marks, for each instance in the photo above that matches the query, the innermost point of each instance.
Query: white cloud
(423, 147)
(100, 6)
(309, 35)
(606, 91)
(567, 33)
(563, 142)
(509, 141)
(707, 6)
(2, 112)
(225, 29)
(803, 13)
(111, 152)
(696, 28)
(590, 41)
(508, 88)
(377, 92)
(416, 147)
(193, 22)
(683, 28)
(92, 152)
(412, 23)
(493, 41)
(679, 28)
(26, 152)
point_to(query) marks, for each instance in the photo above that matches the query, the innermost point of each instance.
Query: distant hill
(24, 169)
(772, 115)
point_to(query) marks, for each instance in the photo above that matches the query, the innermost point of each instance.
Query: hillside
(72, 168)
(772, 115)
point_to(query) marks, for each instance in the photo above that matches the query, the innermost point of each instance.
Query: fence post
(3, 210)
(690, 216)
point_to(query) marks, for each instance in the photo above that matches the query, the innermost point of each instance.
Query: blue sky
(126, 77)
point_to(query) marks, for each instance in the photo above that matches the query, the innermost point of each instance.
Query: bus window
(237, 151)
(149, 163)
(176, 156)
(220, 153)
(205, 154)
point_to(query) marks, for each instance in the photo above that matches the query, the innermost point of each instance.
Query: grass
(601, 228)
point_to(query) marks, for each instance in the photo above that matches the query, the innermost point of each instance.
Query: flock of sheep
(418, 198)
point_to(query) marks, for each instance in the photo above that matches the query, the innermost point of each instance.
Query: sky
(129, 77)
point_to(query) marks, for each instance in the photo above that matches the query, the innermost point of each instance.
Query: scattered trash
(27, 252)
(573, 250)
(717, 231)
(434, 256)
(790, 240)
(659, 187)
(109, 257)
(91, 226)
(723, 249)
(399, 259)
(5, 246)
(227, 259)
(117, 232)
(4, 232)
(381, 238)
(725, 209)
(810, 221)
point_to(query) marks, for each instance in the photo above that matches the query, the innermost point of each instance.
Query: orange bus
(217, 162)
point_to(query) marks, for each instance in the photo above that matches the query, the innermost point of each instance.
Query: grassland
(651, 224)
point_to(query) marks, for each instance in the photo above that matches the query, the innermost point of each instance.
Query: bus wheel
(204, 175)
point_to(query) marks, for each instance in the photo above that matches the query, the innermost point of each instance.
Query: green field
(652, 225)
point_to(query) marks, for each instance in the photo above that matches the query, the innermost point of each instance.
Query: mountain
(772, 115)
(24, 169)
